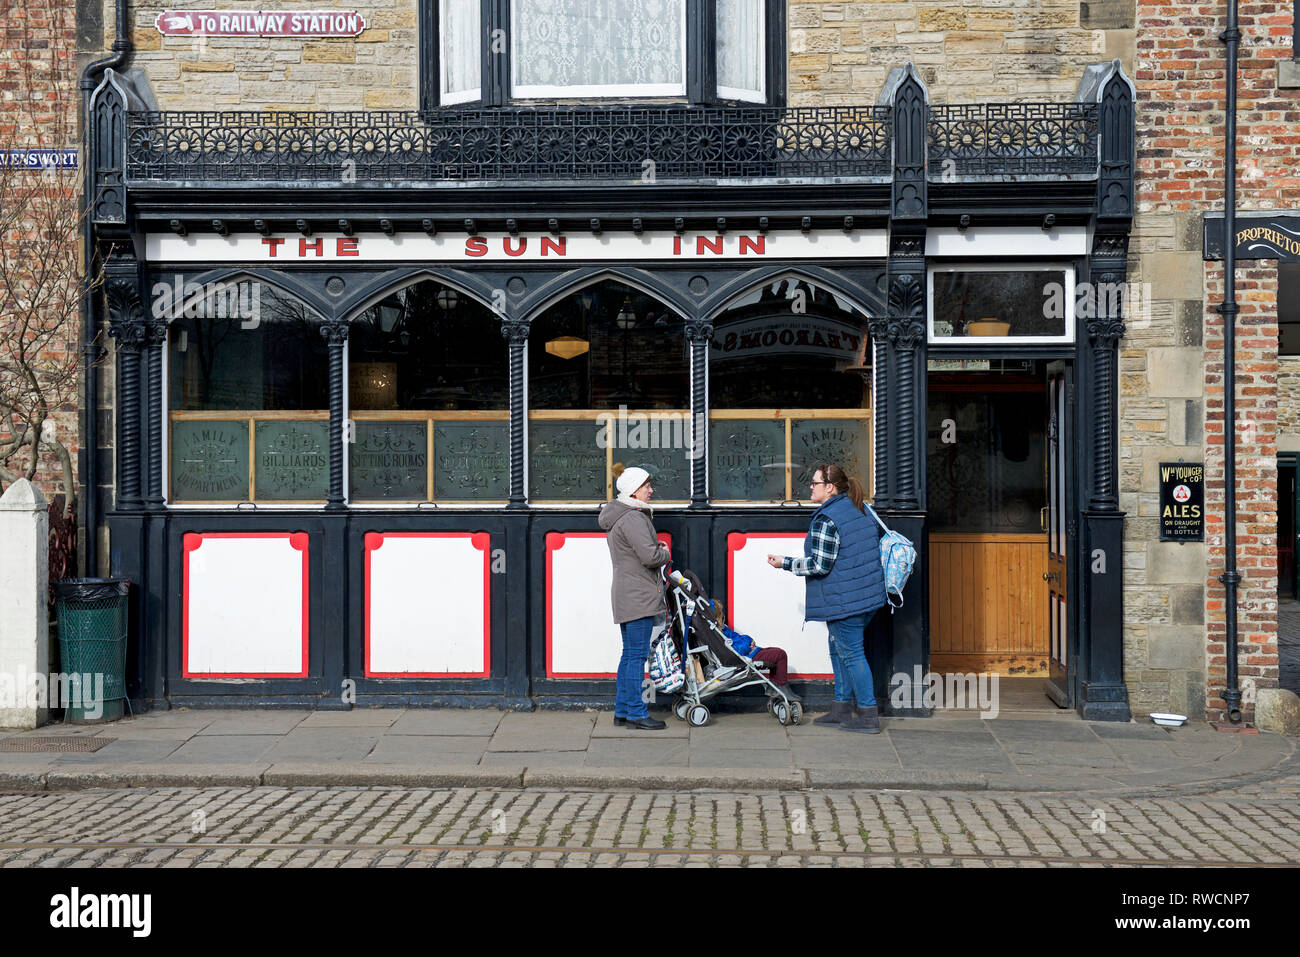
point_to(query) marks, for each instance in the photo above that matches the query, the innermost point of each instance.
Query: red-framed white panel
(767, 603)
(582, 639)
(244, 604)
(428, 605)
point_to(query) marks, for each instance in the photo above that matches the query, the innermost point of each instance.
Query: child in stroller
(775, 658)
(714, 663)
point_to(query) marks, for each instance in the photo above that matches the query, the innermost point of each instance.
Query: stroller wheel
(698, 716)
(796, 712)
(771, 705)
(782, 712)
(679, 708)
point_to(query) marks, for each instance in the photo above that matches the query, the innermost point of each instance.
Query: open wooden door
(1060, 506)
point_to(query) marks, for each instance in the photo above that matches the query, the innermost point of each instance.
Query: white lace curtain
(573, 48)
(741, 70)
(462, 49)
(598, 47)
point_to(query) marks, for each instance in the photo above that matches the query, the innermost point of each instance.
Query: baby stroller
(711, 666)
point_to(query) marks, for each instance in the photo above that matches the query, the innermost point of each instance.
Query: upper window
(490, 52)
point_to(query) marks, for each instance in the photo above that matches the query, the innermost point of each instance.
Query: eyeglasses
(815, 484)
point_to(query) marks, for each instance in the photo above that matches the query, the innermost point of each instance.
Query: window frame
(939, 343)
(700, 54)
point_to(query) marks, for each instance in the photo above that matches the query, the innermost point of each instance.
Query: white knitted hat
(631, 480)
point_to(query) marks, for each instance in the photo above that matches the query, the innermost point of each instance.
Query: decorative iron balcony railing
(619, 144)
(991, 140)
(510, 145)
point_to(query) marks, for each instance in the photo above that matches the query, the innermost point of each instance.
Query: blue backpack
(897, 556)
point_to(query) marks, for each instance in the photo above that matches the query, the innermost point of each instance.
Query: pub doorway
(997, 504)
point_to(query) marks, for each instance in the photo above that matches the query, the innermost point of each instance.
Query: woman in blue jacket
(845, 587)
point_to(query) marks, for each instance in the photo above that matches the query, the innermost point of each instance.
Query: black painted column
(336, 336)
(516, 334)
(127, 326)
(878, 327)
(698, 336)
(1101, 692)
(155, 343)
(156, 561)
(1100, 651)
(902, 638)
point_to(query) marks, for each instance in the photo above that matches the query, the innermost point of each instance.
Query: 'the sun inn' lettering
(478, 247)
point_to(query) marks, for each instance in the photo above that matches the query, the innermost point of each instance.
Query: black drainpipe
(1231, 36)
(89, 324)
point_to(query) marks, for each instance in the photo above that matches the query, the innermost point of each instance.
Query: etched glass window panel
(842, 442)
(471, 461)
(566, 463)
(747, 460)
(209, 461)
(291, 461)
(389, 460)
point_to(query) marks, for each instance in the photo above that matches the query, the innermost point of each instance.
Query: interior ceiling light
(567, 347)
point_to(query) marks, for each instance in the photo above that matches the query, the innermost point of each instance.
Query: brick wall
(38, 109)
(1172, 402)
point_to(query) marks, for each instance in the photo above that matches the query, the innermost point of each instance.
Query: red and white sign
(260, 23)
(579, 247)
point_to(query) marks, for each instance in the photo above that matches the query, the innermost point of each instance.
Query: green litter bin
(93, 628)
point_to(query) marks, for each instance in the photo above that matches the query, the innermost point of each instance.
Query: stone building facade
(1170, 372)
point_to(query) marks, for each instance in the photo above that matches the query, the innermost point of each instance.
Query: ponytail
(844, 484)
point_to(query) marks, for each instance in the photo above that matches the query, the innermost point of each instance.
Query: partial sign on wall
(1272, 235)
(260, 23)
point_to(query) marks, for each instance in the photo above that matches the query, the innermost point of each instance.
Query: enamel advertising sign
(260, 23)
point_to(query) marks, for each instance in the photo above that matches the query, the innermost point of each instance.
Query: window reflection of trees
(227, 356)
(635, 352)
(428, 346)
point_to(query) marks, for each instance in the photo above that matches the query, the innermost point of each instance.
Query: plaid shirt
(825, 549)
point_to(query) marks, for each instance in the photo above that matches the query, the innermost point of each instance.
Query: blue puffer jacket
(856, 582)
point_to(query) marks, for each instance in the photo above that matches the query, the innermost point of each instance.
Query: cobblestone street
(385, 827)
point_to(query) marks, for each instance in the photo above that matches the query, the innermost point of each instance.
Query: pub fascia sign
(294, 249)
(1272, 235)
(260, 23)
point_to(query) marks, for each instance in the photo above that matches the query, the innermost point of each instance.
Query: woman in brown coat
(637, 592)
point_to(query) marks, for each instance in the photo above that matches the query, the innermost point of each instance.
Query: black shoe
(619, 722)
(839, 711)
(646, 724)
(863, 721)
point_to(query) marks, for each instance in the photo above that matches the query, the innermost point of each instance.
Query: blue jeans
(848, 635)
(631, 669)
(842, 690)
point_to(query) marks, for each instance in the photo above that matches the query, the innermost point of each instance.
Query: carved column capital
(698, 331)
(335, 333)
(515, 331)
(1105, 332)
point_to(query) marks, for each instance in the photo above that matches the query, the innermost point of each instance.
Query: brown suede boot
(840, 710)
(862, 720)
